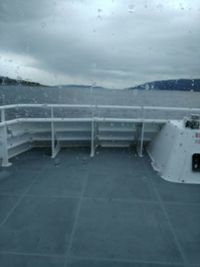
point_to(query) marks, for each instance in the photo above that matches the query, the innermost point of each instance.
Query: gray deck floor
(112, 210)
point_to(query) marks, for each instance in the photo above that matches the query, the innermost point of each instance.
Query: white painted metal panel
(171, 152)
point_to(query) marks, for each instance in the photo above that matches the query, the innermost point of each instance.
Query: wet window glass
(99, 133)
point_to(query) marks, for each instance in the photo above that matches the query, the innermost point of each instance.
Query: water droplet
(159, 7)
(192, 83)
(131, 8)
(56, 162)
(43, 24)
(181, 6)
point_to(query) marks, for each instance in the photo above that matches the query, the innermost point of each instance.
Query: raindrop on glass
(131, 8)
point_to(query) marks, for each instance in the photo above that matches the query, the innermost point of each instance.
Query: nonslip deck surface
(106, 211)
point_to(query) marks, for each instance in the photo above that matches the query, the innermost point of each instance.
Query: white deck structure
(22, 133)
(175, 153)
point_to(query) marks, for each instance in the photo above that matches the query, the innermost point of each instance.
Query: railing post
(141, 144)
(55, 148)
(5, 160)
(52, 134)
(141, 141)
(143, 112)
(92, 152)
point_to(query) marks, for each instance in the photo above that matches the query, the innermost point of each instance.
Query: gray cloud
(113, 43)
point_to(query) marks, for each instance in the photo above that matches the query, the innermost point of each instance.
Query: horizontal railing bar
(97, 106)
(68, 106)
(171, 108)
(55, 119)
(55, 106)
(96, 119)
(118, 107)
(10, 122)
(8, 106)
(131, 120)
(45, 106)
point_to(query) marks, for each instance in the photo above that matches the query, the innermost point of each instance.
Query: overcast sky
(112, 43)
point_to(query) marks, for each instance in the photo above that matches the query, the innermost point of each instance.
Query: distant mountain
(181, 85)
(9, 81)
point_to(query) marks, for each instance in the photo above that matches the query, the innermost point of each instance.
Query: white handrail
(113, 107)
(13, 106)
(96, 119)
(92, 119)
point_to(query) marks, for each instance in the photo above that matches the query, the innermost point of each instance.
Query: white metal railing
(52, 107)
(97, 106)
(91, 119)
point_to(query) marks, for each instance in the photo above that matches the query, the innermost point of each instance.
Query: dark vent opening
(196, 162)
